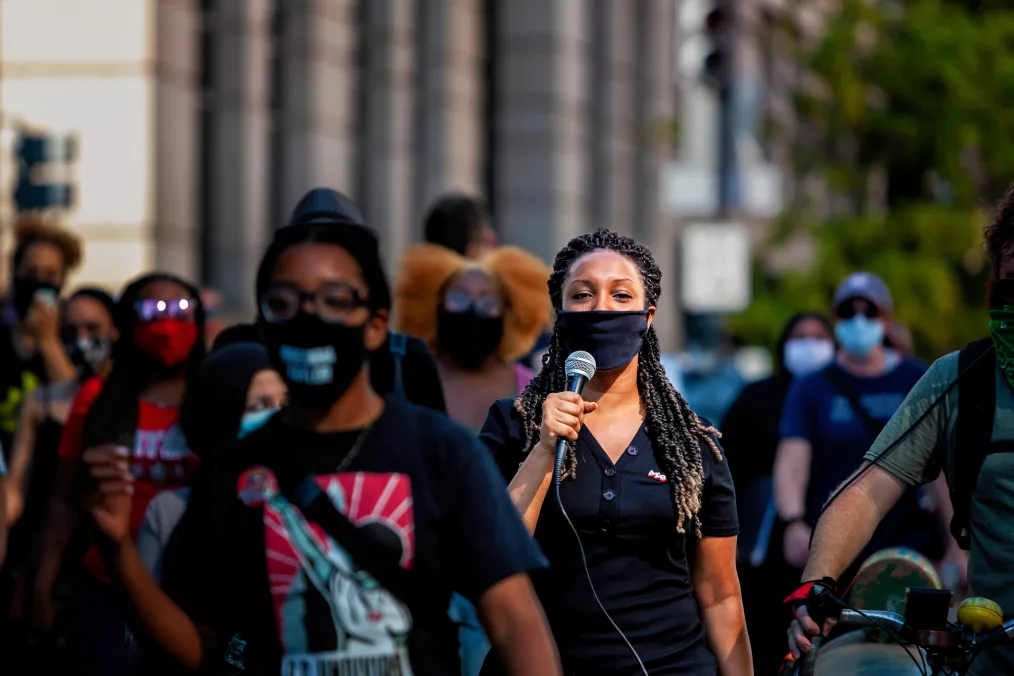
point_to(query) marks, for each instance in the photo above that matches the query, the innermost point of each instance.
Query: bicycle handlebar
(895, 622)
(1000, 635)
(872, 618)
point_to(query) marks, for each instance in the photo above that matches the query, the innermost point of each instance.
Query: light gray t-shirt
(160, 519)
(920, 457)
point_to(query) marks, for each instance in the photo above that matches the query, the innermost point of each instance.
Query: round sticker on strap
(256, 485)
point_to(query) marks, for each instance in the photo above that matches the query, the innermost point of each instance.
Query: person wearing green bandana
(985, 517)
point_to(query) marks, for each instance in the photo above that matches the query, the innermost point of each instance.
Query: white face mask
(807, 355)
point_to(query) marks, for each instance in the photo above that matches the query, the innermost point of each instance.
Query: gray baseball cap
(867, 286)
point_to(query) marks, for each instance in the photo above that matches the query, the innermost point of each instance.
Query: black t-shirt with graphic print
(245, 561)
(640, 564)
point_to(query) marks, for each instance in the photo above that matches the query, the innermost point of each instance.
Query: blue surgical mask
(860, 335)
(253, 420)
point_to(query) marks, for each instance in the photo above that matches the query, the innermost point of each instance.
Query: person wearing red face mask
(133, 410)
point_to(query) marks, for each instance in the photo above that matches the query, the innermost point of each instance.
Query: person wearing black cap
(832, 417)
(403, 365)
(332, 538)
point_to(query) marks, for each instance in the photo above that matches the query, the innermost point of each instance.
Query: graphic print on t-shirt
(304, 565)
(161, 457)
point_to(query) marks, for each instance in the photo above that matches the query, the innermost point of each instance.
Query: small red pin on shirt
(657, 476)
(256, 485)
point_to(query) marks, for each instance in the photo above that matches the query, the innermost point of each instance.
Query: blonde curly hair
(520, 277)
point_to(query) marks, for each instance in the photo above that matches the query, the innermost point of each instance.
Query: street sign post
(715, 266)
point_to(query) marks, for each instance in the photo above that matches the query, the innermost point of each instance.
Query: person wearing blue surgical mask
(236, 392)
(832, 417)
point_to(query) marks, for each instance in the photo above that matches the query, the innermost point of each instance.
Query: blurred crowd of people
(126, 535)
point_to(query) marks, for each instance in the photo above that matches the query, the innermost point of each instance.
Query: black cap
(326, 215)
(323, 205)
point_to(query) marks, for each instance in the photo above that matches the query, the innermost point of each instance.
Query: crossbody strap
(834, 376)
(398, 343)
(974, 428)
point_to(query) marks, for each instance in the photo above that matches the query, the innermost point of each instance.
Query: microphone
(580, 367)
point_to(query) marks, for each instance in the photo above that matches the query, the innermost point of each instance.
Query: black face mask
(317, 360)
(23, 293)
(88, 354)
(613, 338)
(468, 338)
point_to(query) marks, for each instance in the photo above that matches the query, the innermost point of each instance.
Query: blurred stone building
(201, 122)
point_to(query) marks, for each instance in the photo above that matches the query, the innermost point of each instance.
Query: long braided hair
(675, 430)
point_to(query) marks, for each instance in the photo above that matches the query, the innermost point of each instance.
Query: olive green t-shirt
(918, 460)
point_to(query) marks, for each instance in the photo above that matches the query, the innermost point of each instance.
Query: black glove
(819, 597)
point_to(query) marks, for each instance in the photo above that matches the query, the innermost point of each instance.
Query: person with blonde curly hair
(478, 317)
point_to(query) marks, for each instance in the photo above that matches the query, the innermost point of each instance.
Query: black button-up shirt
(625, 515)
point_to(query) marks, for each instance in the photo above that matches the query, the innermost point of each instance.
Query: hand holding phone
(47, 296)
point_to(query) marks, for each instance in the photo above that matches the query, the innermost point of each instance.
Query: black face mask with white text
(318, 360)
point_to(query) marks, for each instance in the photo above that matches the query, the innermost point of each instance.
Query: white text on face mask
(313, 366)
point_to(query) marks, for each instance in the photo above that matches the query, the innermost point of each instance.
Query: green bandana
(1001, 326)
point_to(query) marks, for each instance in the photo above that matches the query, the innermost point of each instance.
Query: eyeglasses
(151, 309)
(485, 306)
(332, 301)
(848, 310)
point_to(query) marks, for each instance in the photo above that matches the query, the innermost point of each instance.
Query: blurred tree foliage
(903, 113)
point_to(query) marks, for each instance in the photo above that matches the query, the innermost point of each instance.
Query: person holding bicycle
(958, 418)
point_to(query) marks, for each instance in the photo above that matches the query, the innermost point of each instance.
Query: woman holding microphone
(644, 484)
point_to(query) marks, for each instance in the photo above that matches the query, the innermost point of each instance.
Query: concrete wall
(96, 79)
(385, 100)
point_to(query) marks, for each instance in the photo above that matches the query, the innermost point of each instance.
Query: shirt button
(632, 450)
(610, 471)
(609, 495)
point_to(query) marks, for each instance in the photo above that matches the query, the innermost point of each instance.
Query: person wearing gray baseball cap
(833, 416)
(863, 309)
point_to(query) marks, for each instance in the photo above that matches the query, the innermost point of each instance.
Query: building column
(239, 131)
(655, 92)
(449, 93)
(541, 137)
(614, 127)
(318, 98)
(385, 160)
(177, 137)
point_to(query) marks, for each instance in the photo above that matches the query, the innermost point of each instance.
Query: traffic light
(717, 58)
(42, 163)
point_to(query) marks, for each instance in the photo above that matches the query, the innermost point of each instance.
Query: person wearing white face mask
(833, 416)
(750, 439)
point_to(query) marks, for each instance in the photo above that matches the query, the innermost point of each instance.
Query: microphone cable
(587, 573)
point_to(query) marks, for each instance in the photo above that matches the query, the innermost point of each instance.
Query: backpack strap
(976, 408)
(398, 343)
(833, 375)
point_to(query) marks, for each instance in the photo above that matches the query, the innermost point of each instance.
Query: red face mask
(167, 341)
